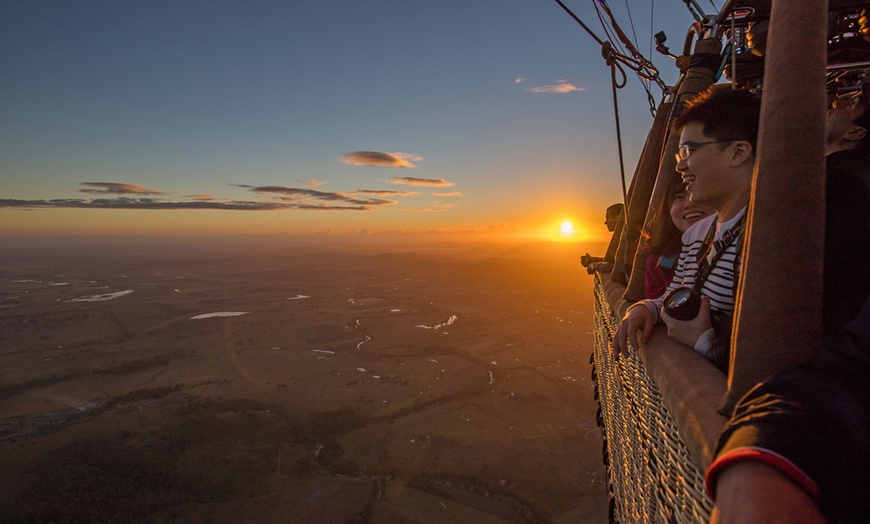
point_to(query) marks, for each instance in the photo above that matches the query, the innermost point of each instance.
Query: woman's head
(675, 213)
(683, 211)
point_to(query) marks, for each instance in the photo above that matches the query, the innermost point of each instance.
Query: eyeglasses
(686, 148)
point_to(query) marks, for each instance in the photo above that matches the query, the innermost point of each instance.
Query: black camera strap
(711, 251)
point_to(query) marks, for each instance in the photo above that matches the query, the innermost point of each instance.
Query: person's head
(683, 211)
(848, 121)
(612, 215)
(718, 136)
(676, 213)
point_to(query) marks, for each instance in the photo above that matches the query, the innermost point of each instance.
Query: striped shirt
(721, 280)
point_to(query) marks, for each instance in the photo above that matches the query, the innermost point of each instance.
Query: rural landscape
(281, 381)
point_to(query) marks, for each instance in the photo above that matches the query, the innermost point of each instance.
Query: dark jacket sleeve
(812, 422)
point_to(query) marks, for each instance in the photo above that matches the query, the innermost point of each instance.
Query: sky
(478, 119)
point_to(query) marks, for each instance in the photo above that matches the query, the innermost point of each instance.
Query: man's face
(611, 220)
(707, 171)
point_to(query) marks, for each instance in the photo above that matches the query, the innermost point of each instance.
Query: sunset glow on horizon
(423, 121)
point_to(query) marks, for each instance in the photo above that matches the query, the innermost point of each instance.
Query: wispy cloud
(295, 194)
(154, 204)
(137, 203)
(519, 80)
(425, 209)
(380, 192)
(115, 188)
(201, 197)
(560, 87)
(437, 207)
(376, 158)
(427, 182)
(448, 193)
(269, 198)
(311, 183)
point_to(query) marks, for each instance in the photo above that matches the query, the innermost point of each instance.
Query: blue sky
(302, 117)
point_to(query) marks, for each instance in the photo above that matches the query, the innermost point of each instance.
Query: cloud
(201, 197)
(437, 207)
(560, 87)
(448, 193)
(137, 203)
(270, 198)
(154, 204)
(114, 188)
(425, 209)
(311, 183)
(375, 158)
(428, 182)
(519, 80)
(384, 192)
(296, 194)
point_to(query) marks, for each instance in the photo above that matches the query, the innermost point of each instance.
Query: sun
(567, 227)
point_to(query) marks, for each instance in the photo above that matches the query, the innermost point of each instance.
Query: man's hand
(751, 492)
(689, 331)
(587, 259)
(636, 318)
(600, 267)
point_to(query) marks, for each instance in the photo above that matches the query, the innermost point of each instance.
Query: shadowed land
(416, 385)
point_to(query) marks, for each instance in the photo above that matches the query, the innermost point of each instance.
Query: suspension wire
(618, 30)
(614, 85)
(631, 23)
(646, 83)
(644, 69)
(577, 19)
(637, 63)
(611, 59)
(609, 32)
(652, 13)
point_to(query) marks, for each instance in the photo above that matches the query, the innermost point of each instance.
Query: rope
(614, 67)
(636, 62)
(631, 23)
(577, 19)
(652, 12)
(643, 68)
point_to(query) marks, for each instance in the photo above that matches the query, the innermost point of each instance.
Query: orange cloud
(436, 207)
(448, 193)
(379, 192)
(424, 209)
(376, 158)
(203, 198)
(428, 182)
(560, 87)
(311, 183)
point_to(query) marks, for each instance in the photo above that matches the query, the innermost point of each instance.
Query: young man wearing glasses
(716, 158)
(773, 463)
